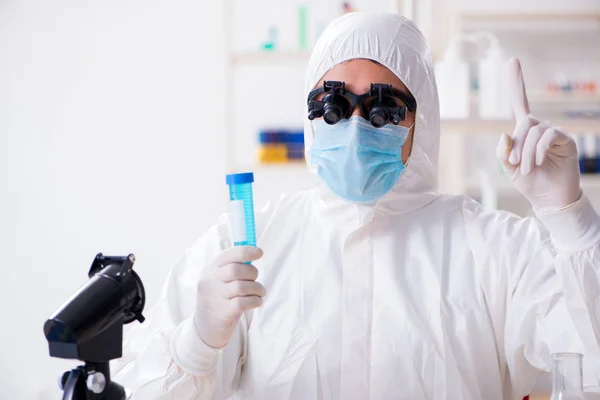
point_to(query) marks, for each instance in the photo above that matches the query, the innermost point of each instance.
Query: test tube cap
(237, 179)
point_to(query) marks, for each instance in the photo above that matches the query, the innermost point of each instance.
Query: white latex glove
(539, 158)
(225, 290)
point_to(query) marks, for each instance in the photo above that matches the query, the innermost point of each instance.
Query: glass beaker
(567, 377)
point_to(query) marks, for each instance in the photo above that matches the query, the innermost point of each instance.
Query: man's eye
(398, 102)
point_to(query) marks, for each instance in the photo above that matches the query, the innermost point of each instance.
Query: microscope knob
(62, 380)
(96, 382)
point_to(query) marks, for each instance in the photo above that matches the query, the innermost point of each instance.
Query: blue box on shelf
(293, 140)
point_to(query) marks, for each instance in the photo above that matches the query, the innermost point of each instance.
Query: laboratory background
(120, 119)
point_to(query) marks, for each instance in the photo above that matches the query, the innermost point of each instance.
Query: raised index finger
(518, 94)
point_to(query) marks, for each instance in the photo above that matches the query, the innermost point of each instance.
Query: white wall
(106, 111)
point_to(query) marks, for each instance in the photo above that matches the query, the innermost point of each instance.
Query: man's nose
(357, 111)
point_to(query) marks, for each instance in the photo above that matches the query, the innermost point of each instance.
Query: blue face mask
(358, 162)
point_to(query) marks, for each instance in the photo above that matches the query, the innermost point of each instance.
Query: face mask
(358, 162)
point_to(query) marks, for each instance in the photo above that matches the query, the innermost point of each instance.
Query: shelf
(528, 16)
(590, 181)
(563, 98)
(476, 126)
(271, 168)
(533, 22)
(269, 57)
(504, 186)
(541, 97)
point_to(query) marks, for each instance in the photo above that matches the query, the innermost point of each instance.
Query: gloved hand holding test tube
(228, 287)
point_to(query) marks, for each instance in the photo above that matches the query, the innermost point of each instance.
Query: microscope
(89, 327)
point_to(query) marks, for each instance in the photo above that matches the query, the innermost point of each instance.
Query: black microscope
(89, 327)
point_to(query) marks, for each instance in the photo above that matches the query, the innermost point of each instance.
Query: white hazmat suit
(417, 296)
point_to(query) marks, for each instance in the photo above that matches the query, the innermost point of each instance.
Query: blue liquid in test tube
(241, 209)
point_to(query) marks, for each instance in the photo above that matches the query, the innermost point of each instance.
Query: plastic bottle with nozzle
(494, 96)
(452, 76)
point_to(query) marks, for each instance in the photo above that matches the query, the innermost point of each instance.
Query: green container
(303, 27)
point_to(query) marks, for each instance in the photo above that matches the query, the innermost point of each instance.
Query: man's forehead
(359, 74)
(361, 88)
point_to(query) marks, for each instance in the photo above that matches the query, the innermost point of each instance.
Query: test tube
(241, 209)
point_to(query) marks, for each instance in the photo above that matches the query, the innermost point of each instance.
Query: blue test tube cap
(238, 179)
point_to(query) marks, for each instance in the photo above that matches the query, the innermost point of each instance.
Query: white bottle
(452, 77)
(494, 95)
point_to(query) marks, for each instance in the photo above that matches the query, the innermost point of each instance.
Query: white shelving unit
(459, 169)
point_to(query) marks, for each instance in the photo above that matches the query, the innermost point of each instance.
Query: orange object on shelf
(273, 153)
